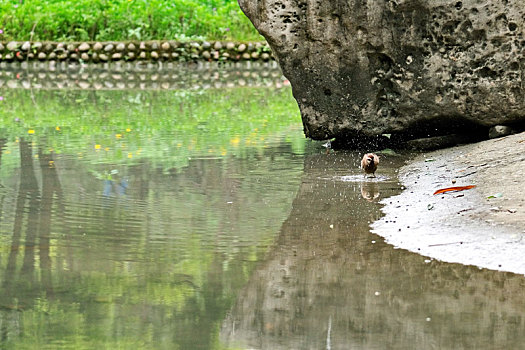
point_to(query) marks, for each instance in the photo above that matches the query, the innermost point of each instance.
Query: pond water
(196, 216)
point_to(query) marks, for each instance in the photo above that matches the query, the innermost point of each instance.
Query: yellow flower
(128, 130)
(130, 155)
(98, 146)
(235, 141)
(30, 131)
(118, 136)
(57, 128)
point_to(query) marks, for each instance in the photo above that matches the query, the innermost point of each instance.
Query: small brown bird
(369, 163)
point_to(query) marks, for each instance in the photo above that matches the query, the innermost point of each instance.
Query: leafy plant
(102, 20)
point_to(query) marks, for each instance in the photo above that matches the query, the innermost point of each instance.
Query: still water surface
(201, 218)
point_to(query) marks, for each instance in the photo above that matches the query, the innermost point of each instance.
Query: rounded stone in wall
(48, 47)
(83, 47)
(196, 45)
(13, 45)
(97, 47)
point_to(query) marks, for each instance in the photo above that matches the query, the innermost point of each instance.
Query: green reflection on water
(166, 127)
(131, 219)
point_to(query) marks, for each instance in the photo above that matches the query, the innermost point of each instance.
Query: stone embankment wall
(134, 50)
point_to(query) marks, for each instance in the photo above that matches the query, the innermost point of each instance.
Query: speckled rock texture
(416, 68)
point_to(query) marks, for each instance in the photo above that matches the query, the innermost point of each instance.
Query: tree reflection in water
(156, 261)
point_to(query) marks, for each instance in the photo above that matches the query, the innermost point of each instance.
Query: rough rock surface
(412, 67)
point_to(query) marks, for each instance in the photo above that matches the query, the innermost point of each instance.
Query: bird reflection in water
(370, 191)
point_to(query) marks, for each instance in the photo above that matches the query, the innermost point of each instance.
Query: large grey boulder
(407, 67)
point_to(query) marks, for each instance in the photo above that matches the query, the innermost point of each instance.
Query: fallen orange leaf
(455, 188)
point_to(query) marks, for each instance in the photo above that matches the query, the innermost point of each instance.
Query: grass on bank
(119, 20)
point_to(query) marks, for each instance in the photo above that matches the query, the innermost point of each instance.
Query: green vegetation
(106, 20)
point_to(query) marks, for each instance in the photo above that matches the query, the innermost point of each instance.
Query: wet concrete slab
(483, 226)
